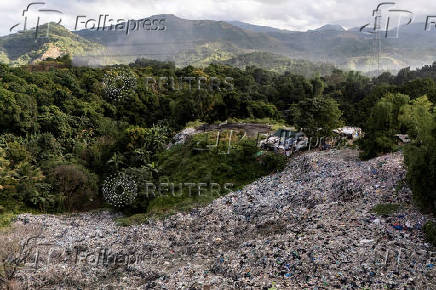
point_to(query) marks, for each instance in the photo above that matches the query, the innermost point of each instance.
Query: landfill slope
(310, 225)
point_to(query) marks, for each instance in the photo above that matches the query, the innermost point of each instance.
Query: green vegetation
(23, 48)
(136, 219)
(317, 116)
(280, 64)
(383, 124)
(430, 232)
(395, 114)
(6, 219)
(67, 130)
(386, 209)
(214, 169)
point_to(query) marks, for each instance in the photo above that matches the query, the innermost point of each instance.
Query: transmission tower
(377, 47)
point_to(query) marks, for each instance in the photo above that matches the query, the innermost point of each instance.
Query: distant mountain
(200, 42)
(280, 64)
(24, 48)
(195, 42)
(331, 27)
(255, 28)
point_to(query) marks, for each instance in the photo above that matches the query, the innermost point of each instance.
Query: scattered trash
(366, 241)
(352, 133)
(403, 138)
(398, 227)
(308, 227)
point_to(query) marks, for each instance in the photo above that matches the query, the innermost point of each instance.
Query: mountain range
(200, 42)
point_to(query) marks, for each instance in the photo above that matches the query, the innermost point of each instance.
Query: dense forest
(65, 130)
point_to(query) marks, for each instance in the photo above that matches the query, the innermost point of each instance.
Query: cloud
(285, 14)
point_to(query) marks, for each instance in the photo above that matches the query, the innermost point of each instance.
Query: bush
(430, 232)
(385, 209)
(183, 164)
(420, 155)
(273, 162)
(382, 125)
(421, 174)
(77, 187)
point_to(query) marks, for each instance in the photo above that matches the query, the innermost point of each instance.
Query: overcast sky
(286, 14)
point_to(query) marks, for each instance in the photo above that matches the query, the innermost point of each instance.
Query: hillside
(310, 226)
(200, 42)
(280, 64)
(23, 48)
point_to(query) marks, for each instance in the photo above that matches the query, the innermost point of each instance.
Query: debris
(352, 133)
(310, 226)
(403, 138)
(398, 227)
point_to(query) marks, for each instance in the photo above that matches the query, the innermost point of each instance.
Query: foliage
(6, 219)
(183, 164)
(420, 155)
(317, 116)
(386, 209)
(62, 135)
(280, 64)
(382, 125)
(430, 232)
(394, 114)
(78, 187)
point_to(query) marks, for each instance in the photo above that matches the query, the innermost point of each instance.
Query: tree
(53, 120)
(318, 87)
(7, 174)
(420, 155)
(18, 112)
(317, 116)
(382, 126)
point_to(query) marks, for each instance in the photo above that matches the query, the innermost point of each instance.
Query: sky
(298, 15)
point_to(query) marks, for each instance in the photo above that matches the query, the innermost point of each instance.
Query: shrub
(77, 187)
(420, 155)
(382, 125)
(385, 209)
(430, 232)
(421, 173)
(273, 162)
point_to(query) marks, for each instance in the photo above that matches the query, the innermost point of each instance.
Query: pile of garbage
(182, 136)
(310, 226)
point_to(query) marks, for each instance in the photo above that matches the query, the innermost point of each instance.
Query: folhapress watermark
(105, 23)
(36, 13)
(38, 16)
(50, 254)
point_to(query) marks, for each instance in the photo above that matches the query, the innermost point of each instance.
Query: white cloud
(285, 14)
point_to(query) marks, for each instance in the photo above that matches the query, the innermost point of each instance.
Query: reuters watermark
(190, 188)
(121, 190)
